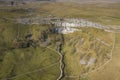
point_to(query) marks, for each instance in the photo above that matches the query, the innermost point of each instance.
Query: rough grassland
(25, 64)
(74, 50)
(110, 71)
(42, 63)
(108, 14)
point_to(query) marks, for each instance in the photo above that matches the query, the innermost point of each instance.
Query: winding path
(62, 64)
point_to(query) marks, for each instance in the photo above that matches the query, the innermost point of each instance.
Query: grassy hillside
(29, 64)
(82, 46)
(39, 60)
(107, 14)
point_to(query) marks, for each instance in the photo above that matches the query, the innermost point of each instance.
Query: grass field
(112, 68)
(40, 63)
(25, 64)
(107, 14)
(81, 44)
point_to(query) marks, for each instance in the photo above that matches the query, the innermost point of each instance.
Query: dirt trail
(62, 64)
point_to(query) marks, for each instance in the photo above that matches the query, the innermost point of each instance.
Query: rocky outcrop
(65, 25)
